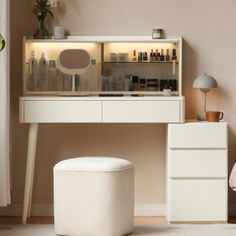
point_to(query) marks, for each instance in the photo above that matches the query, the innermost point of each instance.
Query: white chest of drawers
(197, 172)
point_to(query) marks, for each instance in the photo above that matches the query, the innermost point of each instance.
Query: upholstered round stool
(94, 196)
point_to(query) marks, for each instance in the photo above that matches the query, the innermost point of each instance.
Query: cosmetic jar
(157, 33)
(113, 57)
(152, 84)
(142, 84)
(123, 57)
(59, 32)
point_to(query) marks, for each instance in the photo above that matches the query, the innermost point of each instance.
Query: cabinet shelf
(106, 74)
(137, 62)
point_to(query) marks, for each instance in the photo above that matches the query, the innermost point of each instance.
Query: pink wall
(209, 46)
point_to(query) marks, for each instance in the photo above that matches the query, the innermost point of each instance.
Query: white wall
(209, 33)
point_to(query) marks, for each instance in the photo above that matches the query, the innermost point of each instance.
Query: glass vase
(41, 32)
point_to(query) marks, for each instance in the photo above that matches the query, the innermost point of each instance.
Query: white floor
(140, 230)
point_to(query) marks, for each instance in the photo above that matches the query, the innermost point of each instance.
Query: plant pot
(41, 32)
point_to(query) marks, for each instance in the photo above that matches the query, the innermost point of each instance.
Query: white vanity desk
(35, 110)
(190, 190)
(196, 157)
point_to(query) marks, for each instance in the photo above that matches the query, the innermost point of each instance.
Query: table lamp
(205, 83)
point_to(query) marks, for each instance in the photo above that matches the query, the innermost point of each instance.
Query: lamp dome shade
(205, 82)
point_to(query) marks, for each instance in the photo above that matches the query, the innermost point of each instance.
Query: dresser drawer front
(197, 163)
(141, 111)
(197, 200)
(62, 111)
(198, 135)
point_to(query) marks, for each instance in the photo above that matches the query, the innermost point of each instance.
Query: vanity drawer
(198, 135)
(198, 163)
(141, 111)
(197, 200)
(61, 111)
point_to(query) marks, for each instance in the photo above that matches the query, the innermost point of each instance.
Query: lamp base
(202, 116)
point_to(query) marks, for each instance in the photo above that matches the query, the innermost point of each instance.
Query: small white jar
(59, 32)
(167, 92)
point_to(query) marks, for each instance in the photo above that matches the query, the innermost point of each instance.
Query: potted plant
(43, 8)
(2, 43)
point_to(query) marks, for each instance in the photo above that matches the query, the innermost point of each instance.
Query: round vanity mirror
(73, 61)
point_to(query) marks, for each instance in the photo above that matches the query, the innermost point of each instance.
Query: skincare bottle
(43, 72)
(162, 55)
(134, 55)
(119, 83)
(156, 55)
(135, 83)
(92, 76)
(60, 81)
(140, 57)
(77, 82)
(33, 71)
(52, 76)
(145, 56)
(174, 57)
(151, 55)
(142, 84)
(67, 82)
(104, 83)
(110, 80)
(167, 55)
(128, 82)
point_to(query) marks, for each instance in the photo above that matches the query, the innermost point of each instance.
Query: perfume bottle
(156, 55)
(174, 56)
(134, 55)
(145, 56)
(151, 55)
(167, 55)
(162, 55)
(140, 57)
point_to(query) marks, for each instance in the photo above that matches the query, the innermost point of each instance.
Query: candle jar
(157, 33)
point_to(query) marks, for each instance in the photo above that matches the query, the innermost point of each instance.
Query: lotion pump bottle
(33, 71)
(52, 76)
(43, 72)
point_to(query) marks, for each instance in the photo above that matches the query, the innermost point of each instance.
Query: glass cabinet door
(127, 68)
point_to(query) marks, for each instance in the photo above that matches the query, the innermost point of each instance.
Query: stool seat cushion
(93, 164)
(93, 196)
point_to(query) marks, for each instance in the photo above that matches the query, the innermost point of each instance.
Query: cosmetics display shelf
(100, 48)
(141, 62)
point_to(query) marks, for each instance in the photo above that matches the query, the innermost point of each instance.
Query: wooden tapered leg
(29, 176)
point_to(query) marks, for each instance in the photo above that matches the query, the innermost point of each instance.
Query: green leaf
(2, 43)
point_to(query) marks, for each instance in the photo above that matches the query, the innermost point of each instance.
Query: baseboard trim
(150, 210)
(47, 210)
(37, 210)
(140, 210)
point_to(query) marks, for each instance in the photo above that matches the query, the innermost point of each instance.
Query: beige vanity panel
(61, 111)
(141, 111)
